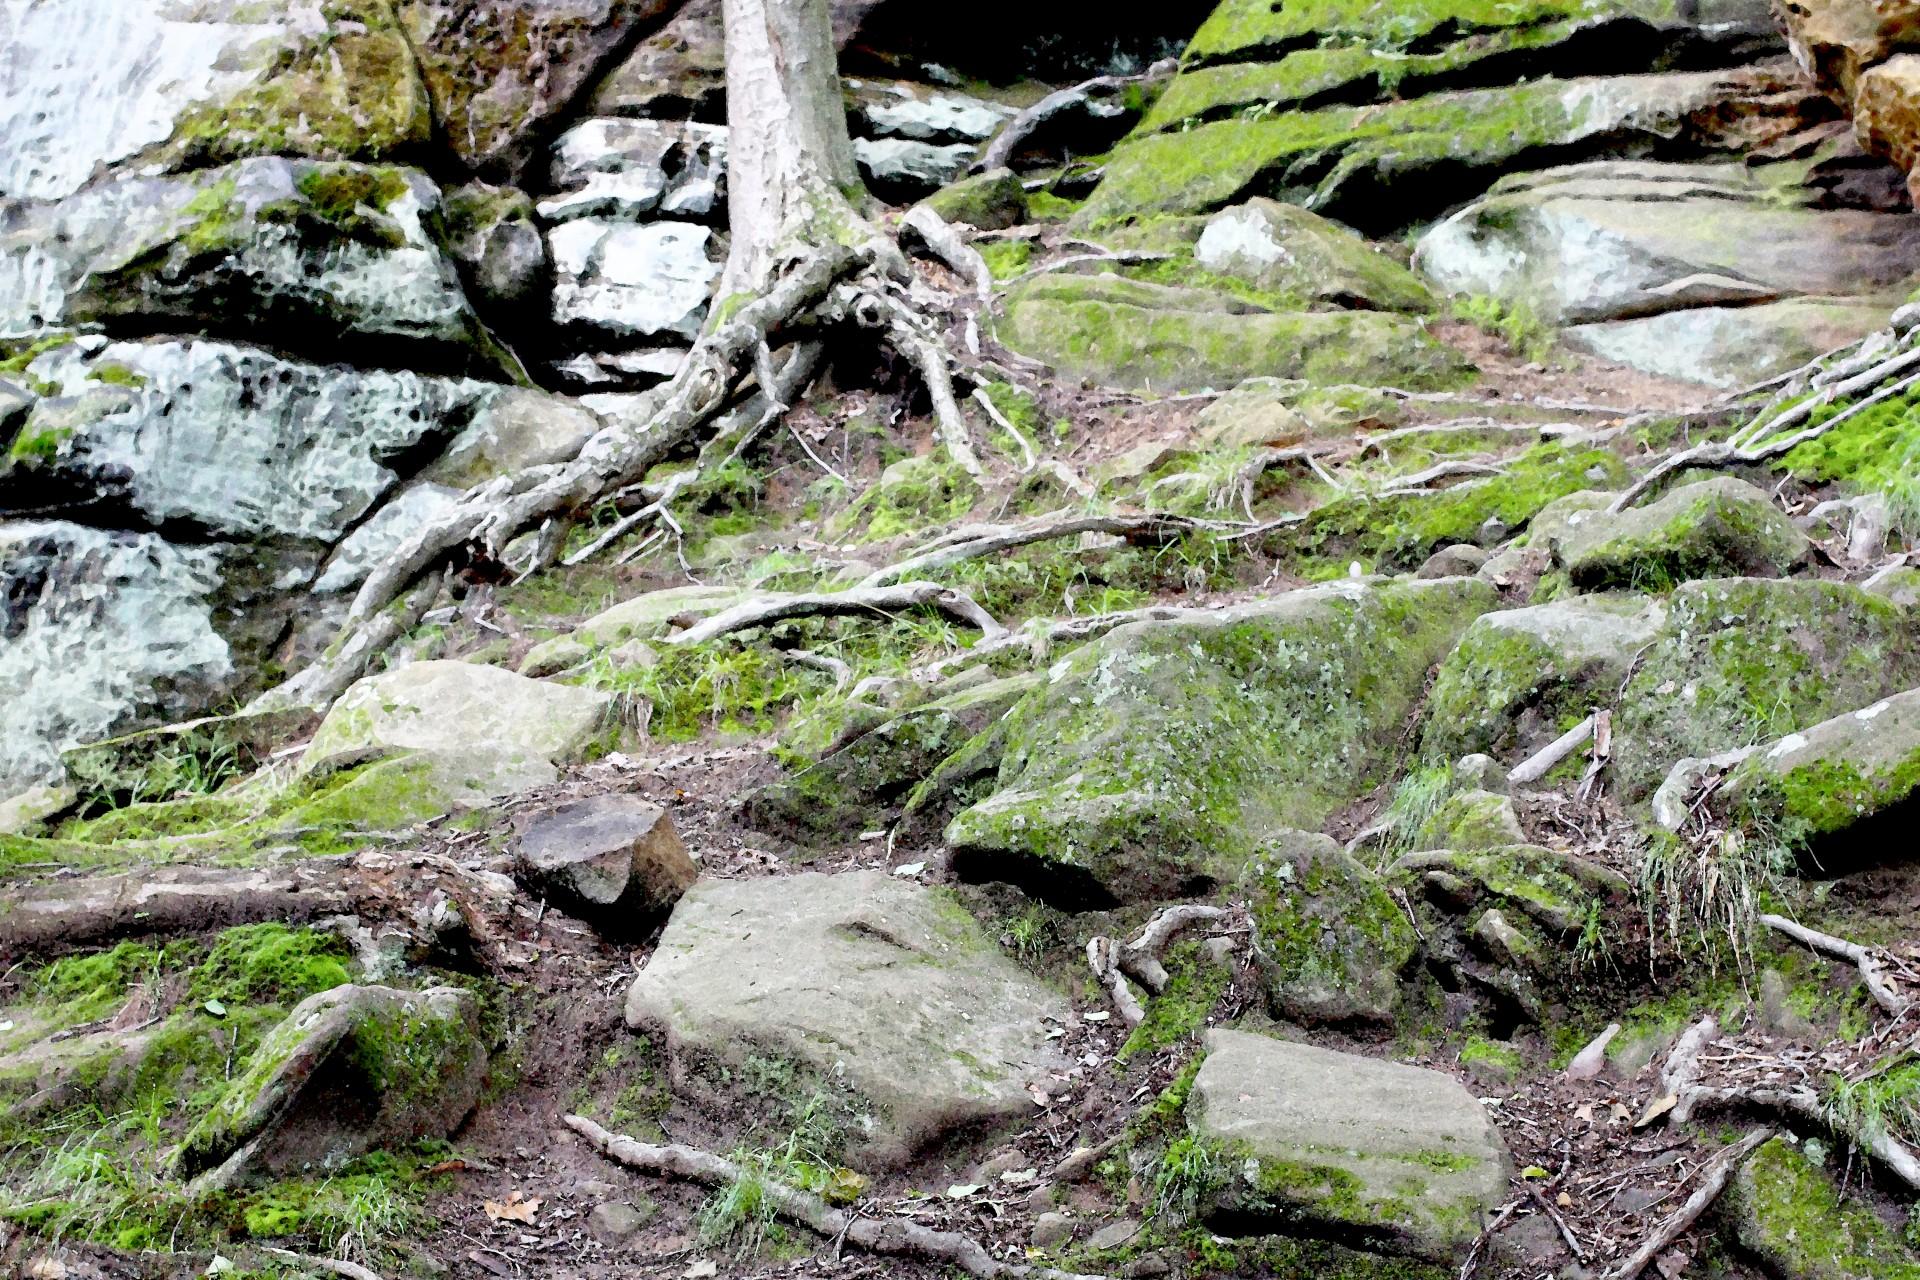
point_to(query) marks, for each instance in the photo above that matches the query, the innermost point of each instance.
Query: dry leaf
(447, 1166)
(702, 1269)
(1620, 1113)
(1564, 1200)
(1584, 1113)
(1655, 1109)
(514, 1209)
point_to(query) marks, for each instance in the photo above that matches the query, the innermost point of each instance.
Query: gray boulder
(316, 251)
(883, 995)
(630, 169)
(492, 235)
(1157, 757)
(1330, 942)
(498, 732)
(351, 1070)
(897, 111)
(902, 165)
(1717, 528)
(1390, 1157)
(93, 84)
(613, 860)
(1287, 250)
(633, 281)
(398, 519)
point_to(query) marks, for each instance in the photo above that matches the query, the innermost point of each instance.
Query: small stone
(1113, 1235)
(1000, 1162)
(1456, 561)
(595, 1188)
(614, 860)
(1503, 943)
(1051, 1230)
(617, 1220)
(1480, 772)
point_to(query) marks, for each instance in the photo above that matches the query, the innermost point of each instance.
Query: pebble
(1051, 1230)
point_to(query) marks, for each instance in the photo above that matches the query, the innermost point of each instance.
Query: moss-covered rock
(1521, 677)
(910, 495)
(1717, 528)
(1129, 333)
(989, 201)
(1385, 1156)
(1787, 1213)
(1157, 757)
(1854, 774)
(1285, 250)
(851, 789)
(1330, 941)
(1471, 820)
(351, 1070)
(1743, 660)
(1400, 531)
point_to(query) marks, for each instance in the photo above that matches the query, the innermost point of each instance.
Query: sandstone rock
(104, 628)
(309, 249)
(1392, 1157)
(899, 112)
(368, 546)
(1285, 250)
(1471, 819)
(1720, 527)
(1886, 106)
(1051, 1231)
(1256, 415)
(900, 165)
(1786, 1212)
(1835, 41)
(1128, 333)
(632, 281)
(1456, 561)
(1852, 775)
(1728, 347)
(514, 428)
(987, 201)
(613, 860)
(229, 440)
(25, 812)
(500, 70)
(93, 83)
(1520, 677)
(628, 169)
(1157, 756)
(1621, 240)
(884, 994)
(505, 732)
(1330, 942)
(351, 1070)
(492, 234)
(1742, 660)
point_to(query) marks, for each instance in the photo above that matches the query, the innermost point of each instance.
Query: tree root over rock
(1113, 964)
(892, 1238)
(1714, 1178)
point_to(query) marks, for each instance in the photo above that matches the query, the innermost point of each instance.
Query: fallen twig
(1713, 1180)
(1537, 765)
(1873, 970)
(989, 540)
(339, 1266)
(893, 1237)
(891, 599)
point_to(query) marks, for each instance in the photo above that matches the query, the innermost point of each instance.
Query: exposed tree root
(338, 1266)
(1039, 640)
(976, 541)
(1537, 765)
(350, 657)
(1139, 959)
(1761, 439)
(892, 1238)
(1006, 145)
(1713, 1180)
(1872, 967)
(861, 600)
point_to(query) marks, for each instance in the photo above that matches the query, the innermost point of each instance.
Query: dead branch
(891, 1237)
(1683, 1063)
(861, 600)
(166, 900)
(990, 539)
(1566, 1233)
(1421, 481)
(1873, 970)
(349, 658)
(1801, 1103)
(1537, 765)
(1005, 423)
(626, 524)
(1040, 638)
(1713, 1180)
(338, 1266)
(1103, 960)
(999, 154)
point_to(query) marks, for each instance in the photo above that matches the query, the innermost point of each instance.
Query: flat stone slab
(1387, 1156)
(882, 993)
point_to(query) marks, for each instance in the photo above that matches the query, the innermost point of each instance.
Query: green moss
(1744, 661)
(1788, 1212)
(1195, 982)
(911, 496)
(1398, 533)
(270, 964)
(1498, 1054)
(16, 355)
(1875, 451)
(1006, 259)
(1712, 529)
(31, 447)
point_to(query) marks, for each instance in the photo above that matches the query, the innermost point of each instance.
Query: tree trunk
(792, 183)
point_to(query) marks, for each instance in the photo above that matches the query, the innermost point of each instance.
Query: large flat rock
(1384, 1155)
(884, 994)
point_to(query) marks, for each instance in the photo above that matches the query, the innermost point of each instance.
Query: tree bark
(792, 183)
